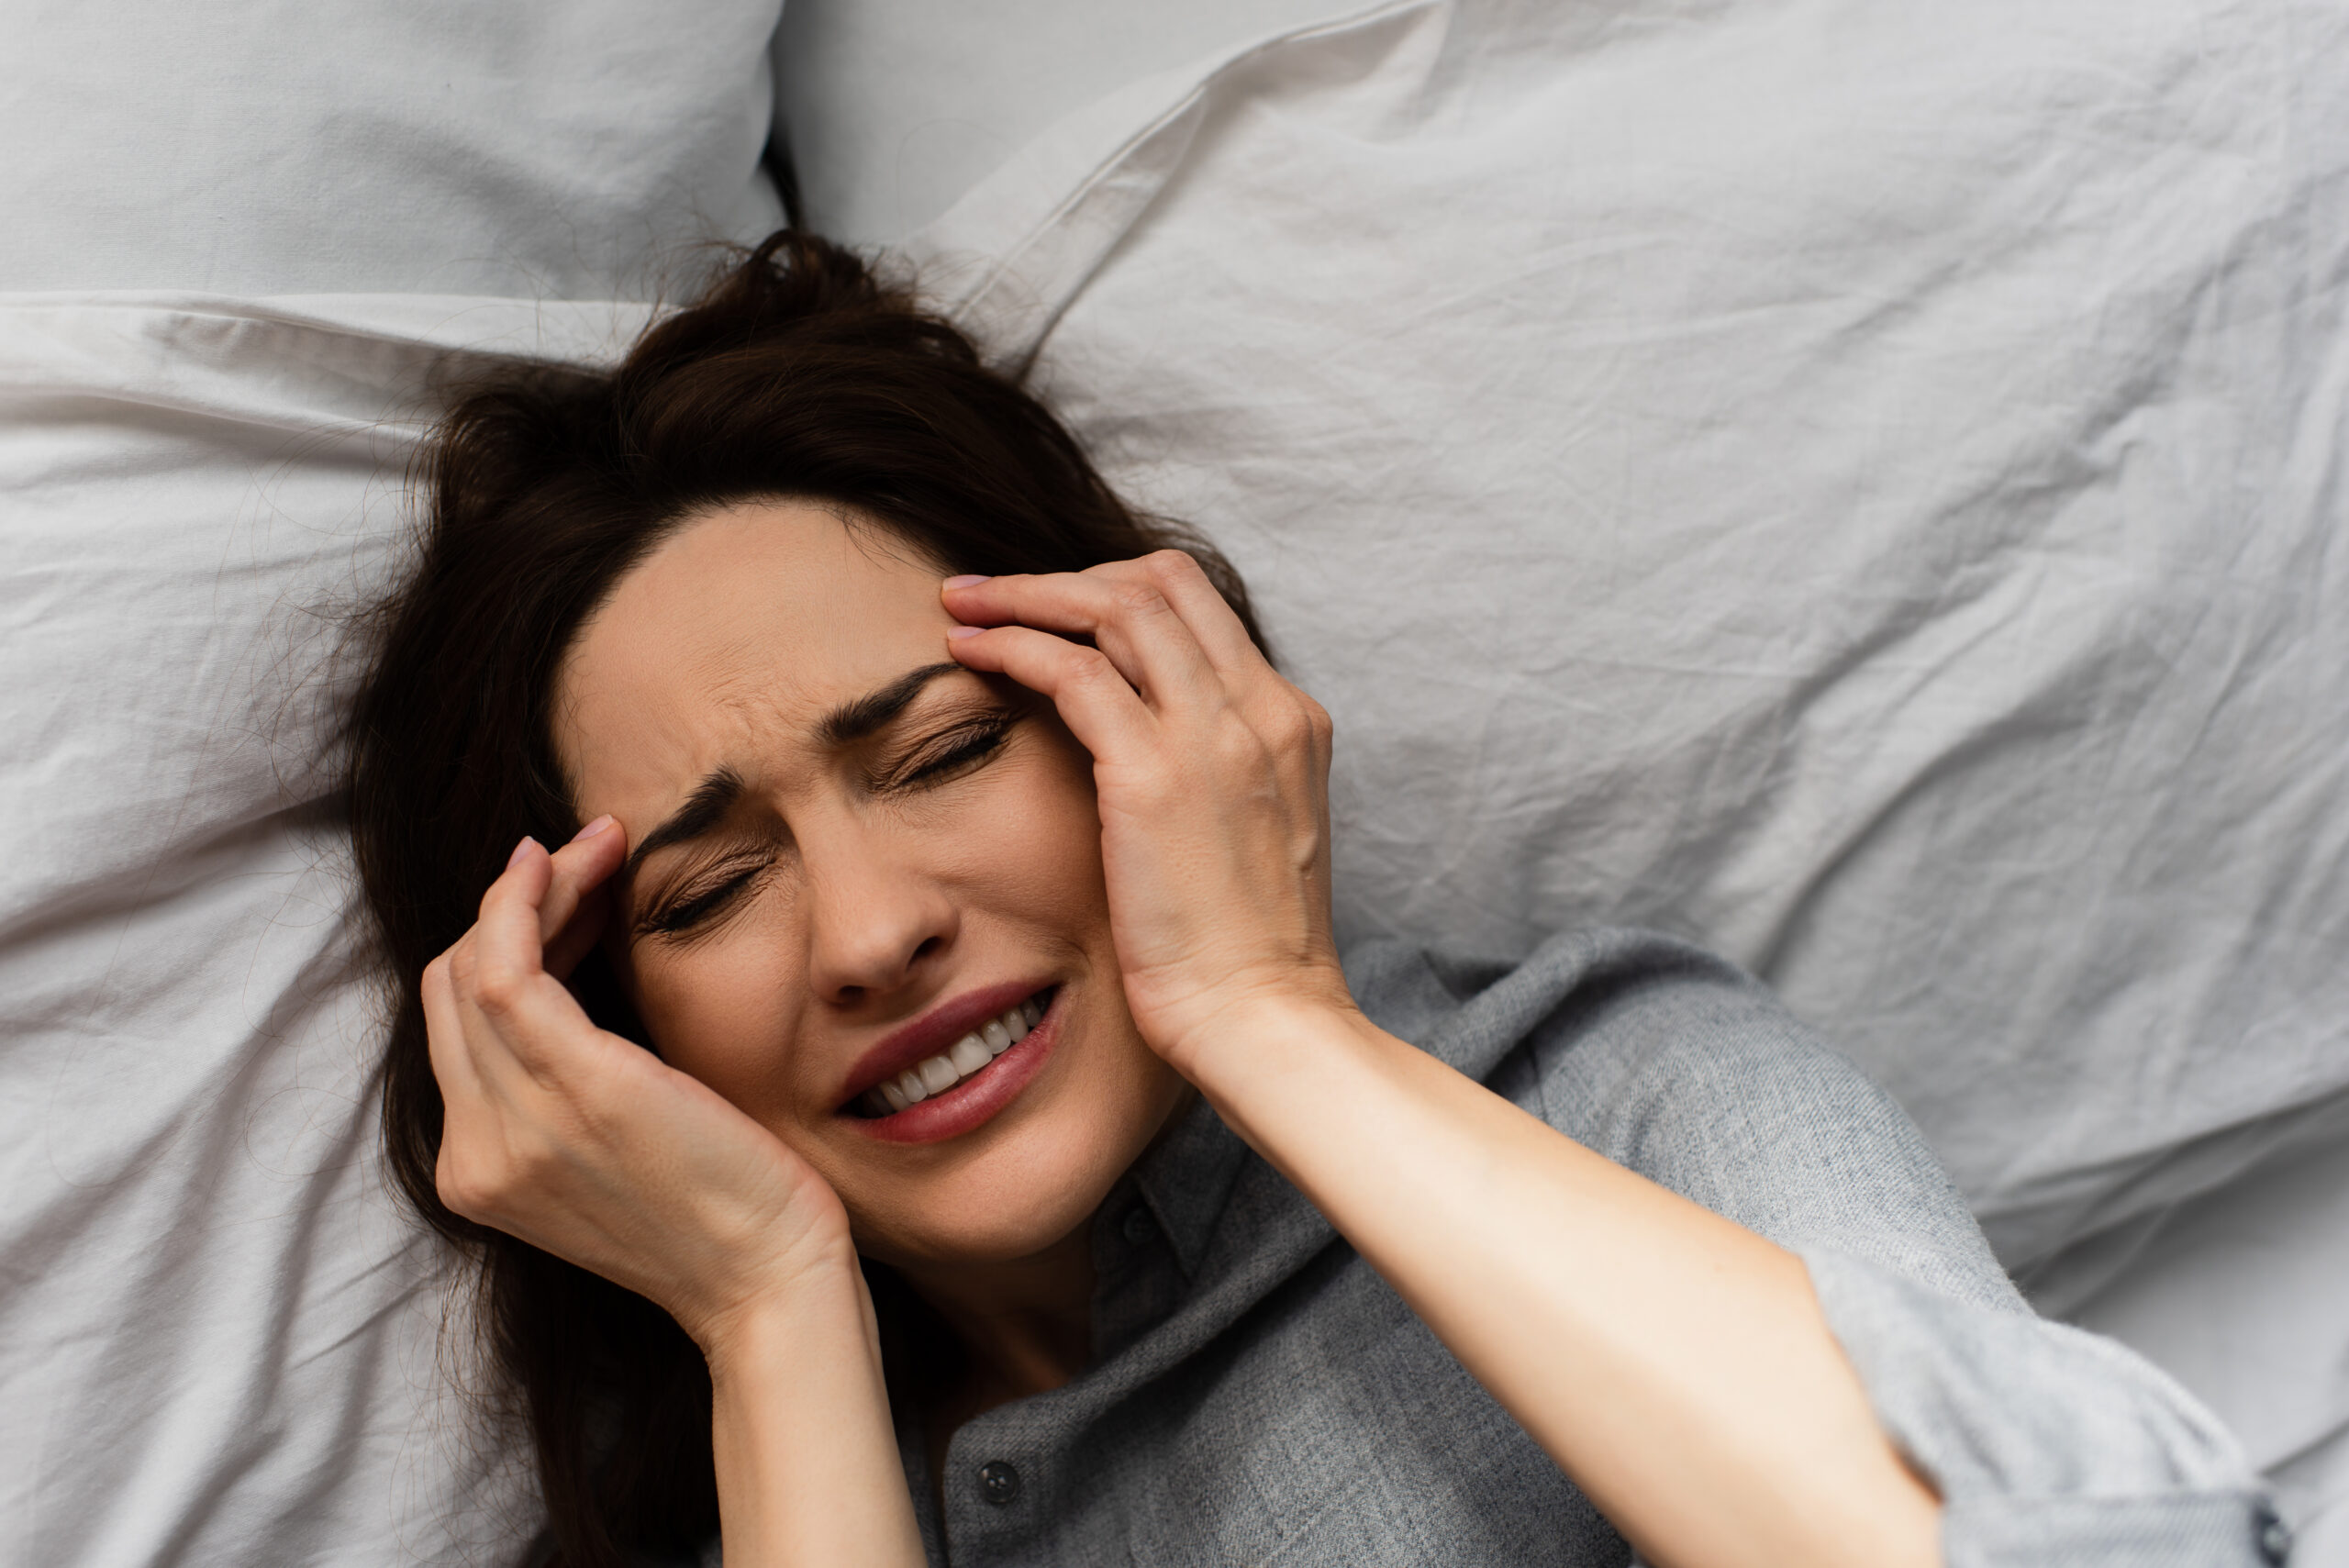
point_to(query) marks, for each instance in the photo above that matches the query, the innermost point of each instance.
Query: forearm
(807, 1466)
(1675, 1365)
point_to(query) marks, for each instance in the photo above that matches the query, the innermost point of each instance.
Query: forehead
(737, 635)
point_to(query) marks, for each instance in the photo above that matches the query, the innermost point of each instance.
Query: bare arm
(807, 1467)
(589, 1148)
(1676, 1365)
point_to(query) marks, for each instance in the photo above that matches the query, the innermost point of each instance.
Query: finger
(512, 1012)
(1211, 620)
(1126, 615)
(444, 1039)
(1100, 709)
(593, 854)
(571, 916)
(1289, 720)
(508, 953)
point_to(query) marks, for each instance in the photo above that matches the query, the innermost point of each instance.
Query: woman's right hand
(586, 1146)
(589, 1148)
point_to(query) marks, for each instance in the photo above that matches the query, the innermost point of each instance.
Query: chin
(1033, 1184)
(985, 1217)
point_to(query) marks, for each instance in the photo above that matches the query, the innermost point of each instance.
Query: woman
(919, 1113)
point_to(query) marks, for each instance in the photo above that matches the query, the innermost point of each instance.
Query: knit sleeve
(2051, 1447)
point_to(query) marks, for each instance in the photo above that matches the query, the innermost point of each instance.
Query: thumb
(577, 901)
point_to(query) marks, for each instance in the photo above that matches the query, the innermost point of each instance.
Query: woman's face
(848, 854)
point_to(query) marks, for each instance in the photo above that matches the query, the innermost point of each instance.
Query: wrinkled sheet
(1859, 486)
(220, 1340)
(895, 108)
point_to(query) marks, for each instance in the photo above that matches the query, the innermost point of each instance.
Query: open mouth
(958, 1063)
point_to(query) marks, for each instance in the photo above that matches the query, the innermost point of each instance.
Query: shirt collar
(1186, 1178)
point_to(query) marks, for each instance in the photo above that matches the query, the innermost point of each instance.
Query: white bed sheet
(1861, 486)
(220, 1338)
(895, 108)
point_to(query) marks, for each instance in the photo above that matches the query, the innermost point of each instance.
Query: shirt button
(1138, 1228)
(2275, 1538)
(999, 1482)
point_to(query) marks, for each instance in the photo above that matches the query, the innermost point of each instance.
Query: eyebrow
(852, 721)
(703, 809)
(715, 794)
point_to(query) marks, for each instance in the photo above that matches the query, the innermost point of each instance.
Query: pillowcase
(896, 107)
(326, 146)
(1857, 485)
(221, 1337)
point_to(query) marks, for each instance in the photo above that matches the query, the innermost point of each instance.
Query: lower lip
(976, 1100)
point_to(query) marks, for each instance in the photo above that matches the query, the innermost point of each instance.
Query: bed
(1860, 486)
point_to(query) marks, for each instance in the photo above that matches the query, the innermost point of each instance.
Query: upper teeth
(936, 1074)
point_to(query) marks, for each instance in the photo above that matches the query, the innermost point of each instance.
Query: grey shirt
(1260, 1395)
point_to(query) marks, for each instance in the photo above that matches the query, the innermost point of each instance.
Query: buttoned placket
(1154, 1222)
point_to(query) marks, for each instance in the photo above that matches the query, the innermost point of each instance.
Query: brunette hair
(798, 374)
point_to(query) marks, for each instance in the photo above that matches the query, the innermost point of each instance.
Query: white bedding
(1859, 484)
(898, 107)
(559, 147)
(219, 1339)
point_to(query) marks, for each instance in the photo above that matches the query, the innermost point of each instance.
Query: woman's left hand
(1212, 774)
(1677, 1366)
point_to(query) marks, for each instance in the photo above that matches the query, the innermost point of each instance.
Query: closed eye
(954, 753)
(698, 905)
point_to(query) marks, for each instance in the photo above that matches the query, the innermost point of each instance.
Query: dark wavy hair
(797, 374)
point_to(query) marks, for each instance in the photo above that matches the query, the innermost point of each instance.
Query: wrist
(824, 1302)
(1256, 1042)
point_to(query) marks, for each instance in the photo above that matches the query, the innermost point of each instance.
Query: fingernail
(593, 828)
(957, 633)
(966, 582)
(524, 848)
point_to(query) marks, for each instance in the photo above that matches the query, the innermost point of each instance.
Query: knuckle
(1289, 729)
(1238, 746)
(497, 990)
(1139, 597)
(1091, 665)
(462, 1186)
(532, 1165)
(1179, 567)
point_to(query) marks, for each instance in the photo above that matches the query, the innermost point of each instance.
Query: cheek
(1044, 836)
(723, 1011)
(1020, 854)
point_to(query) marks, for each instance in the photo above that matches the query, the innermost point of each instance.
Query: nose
(875, 919)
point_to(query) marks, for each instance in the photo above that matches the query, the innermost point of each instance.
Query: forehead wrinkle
(715, 719)
(717, 692)
(755, 710)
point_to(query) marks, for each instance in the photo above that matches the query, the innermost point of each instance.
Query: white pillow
(324, 146)
(220, 1338)
(896, 107)
(1861, 484)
